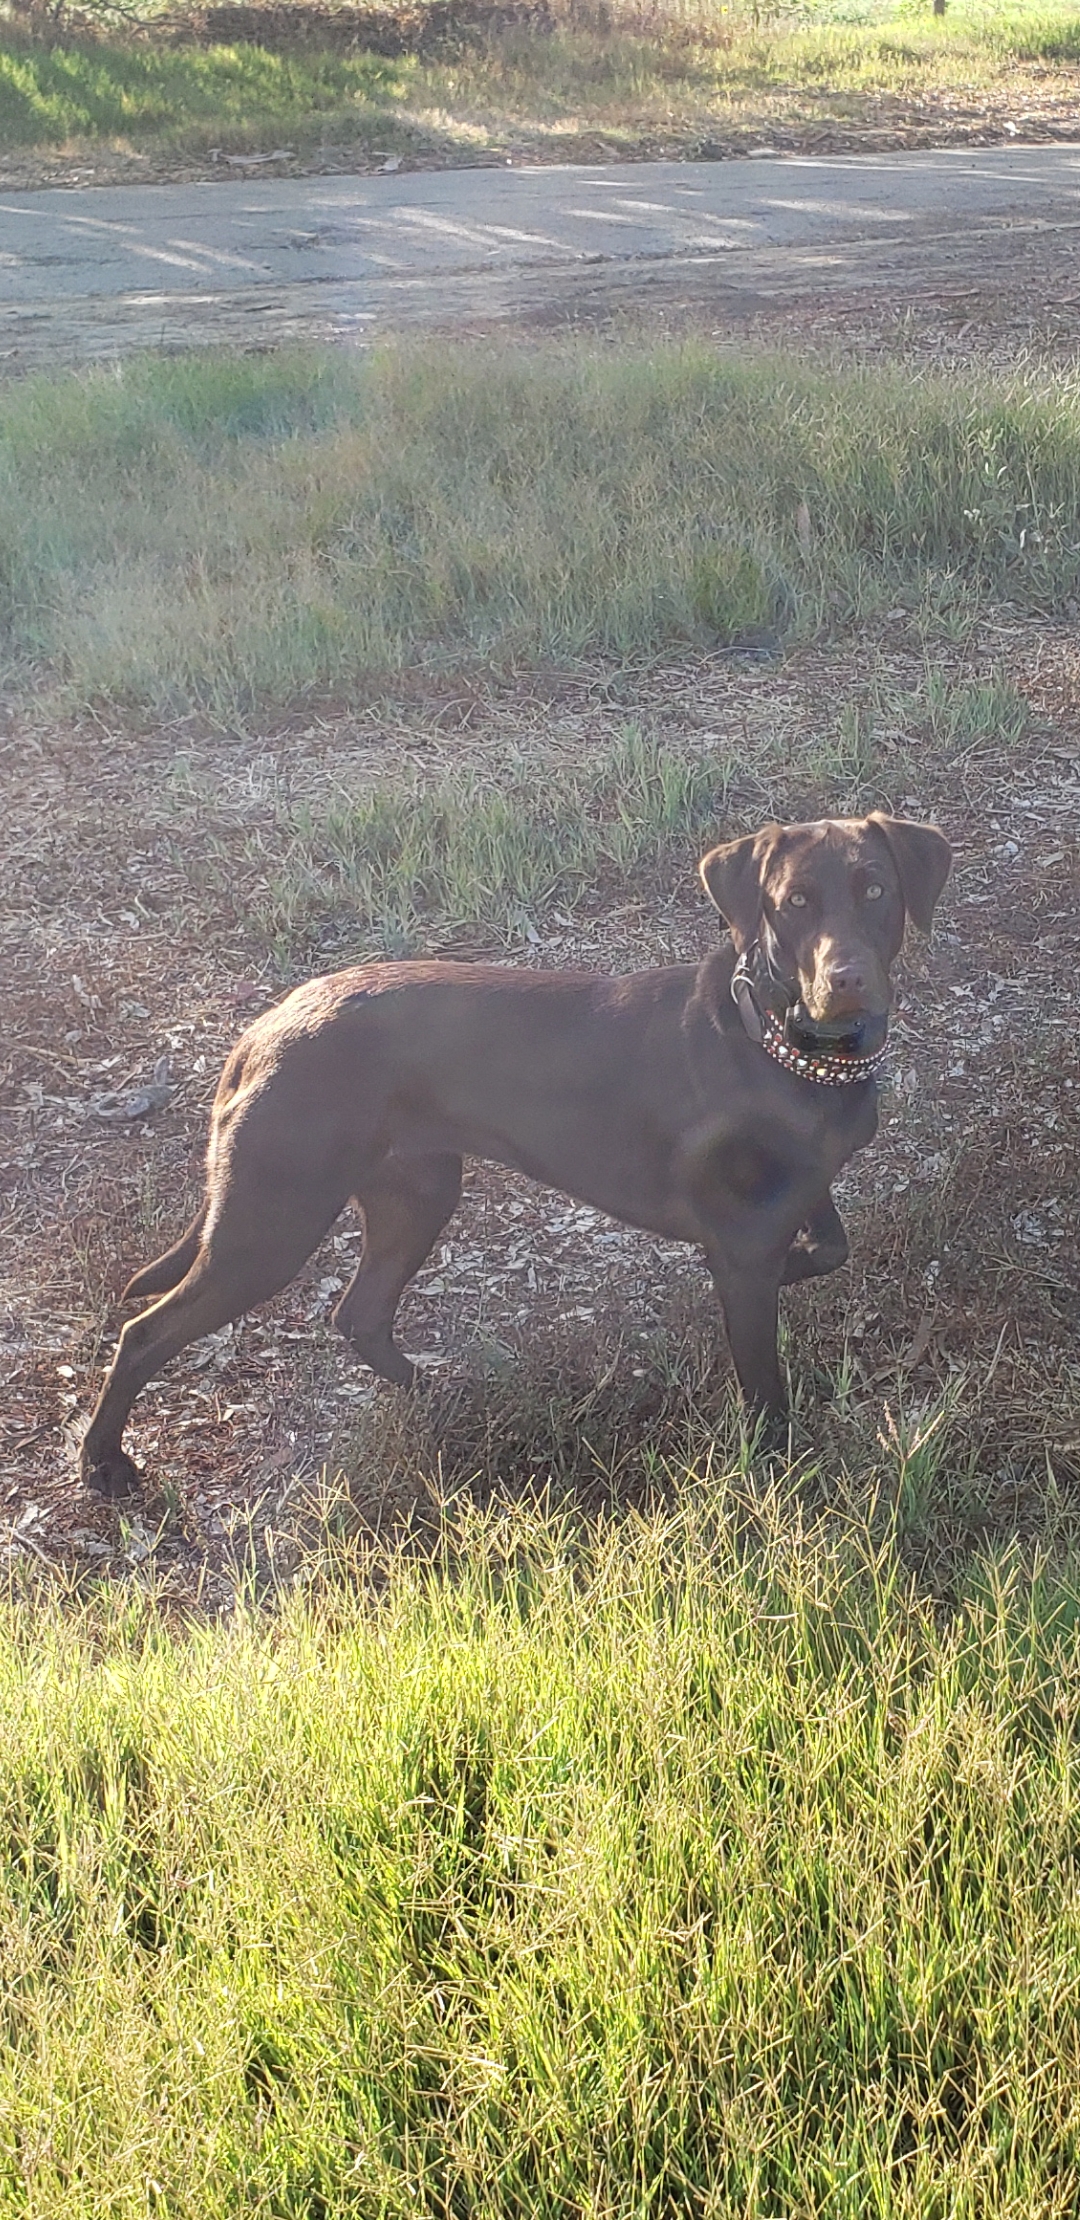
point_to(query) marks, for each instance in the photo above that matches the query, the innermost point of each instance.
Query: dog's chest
(831, 1123)
(740, 1090)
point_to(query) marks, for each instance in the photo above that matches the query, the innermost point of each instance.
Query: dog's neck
(758, 991)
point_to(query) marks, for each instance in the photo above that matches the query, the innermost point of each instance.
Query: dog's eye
(797, 901)
(874, 893)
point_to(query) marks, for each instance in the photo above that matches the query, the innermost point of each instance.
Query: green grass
(639, 1871)
(415, 857)
(666, 75)
(51, 94)
(416, 860)
(221, 534)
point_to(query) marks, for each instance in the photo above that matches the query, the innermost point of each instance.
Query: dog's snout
(847, 985)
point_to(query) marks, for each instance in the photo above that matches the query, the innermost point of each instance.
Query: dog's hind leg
(254, 1246)
(168, 1270)
(406, 1204)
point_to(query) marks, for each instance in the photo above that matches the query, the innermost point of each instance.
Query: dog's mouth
(846, 1038)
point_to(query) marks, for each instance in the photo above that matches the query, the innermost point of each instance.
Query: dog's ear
(923, 858)
(732, 876)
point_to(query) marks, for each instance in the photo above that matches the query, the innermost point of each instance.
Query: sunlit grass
(49, 94)
(670, 70)
(635, 1870)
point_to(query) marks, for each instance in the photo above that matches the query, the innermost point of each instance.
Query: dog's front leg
(749, 1202)
(749, 1289)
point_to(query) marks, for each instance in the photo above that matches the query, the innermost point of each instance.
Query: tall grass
(218, 533)
(639, 1872)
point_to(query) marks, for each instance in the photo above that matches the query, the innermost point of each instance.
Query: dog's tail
(167, 1271)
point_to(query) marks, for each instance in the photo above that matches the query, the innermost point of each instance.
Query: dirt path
(91, 275)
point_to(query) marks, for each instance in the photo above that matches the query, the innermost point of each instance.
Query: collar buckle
(745, 1000)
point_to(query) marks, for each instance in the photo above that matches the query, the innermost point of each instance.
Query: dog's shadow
(609, 1423)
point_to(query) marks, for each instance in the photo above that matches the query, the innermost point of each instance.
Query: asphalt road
(94, 272)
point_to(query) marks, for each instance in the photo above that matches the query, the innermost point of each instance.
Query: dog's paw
(114, 1477)
(768, 1437)
(812, 1260)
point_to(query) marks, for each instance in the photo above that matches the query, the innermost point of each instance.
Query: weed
(959, 718)
(887, 728)
(422, 856)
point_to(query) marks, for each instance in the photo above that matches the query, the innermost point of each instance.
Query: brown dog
(712, 1103)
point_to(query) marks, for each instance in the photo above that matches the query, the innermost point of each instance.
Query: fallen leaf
(918, 1347)
(137, 1102)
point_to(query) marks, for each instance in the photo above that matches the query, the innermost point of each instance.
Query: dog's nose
(847, 978)
(846, 986)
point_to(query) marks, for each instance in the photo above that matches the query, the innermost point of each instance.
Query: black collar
(763, 1027)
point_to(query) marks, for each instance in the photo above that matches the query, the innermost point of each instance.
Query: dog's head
(824, 906)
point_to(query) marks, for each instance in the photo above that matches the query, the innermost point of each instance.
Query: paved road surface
(92, 273)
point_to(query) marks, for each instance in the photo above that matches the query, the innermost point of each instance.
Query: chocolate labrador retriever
(710, 1102)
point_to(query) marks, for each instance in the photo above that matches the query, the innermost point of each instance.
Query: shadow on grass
(617, 1428)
